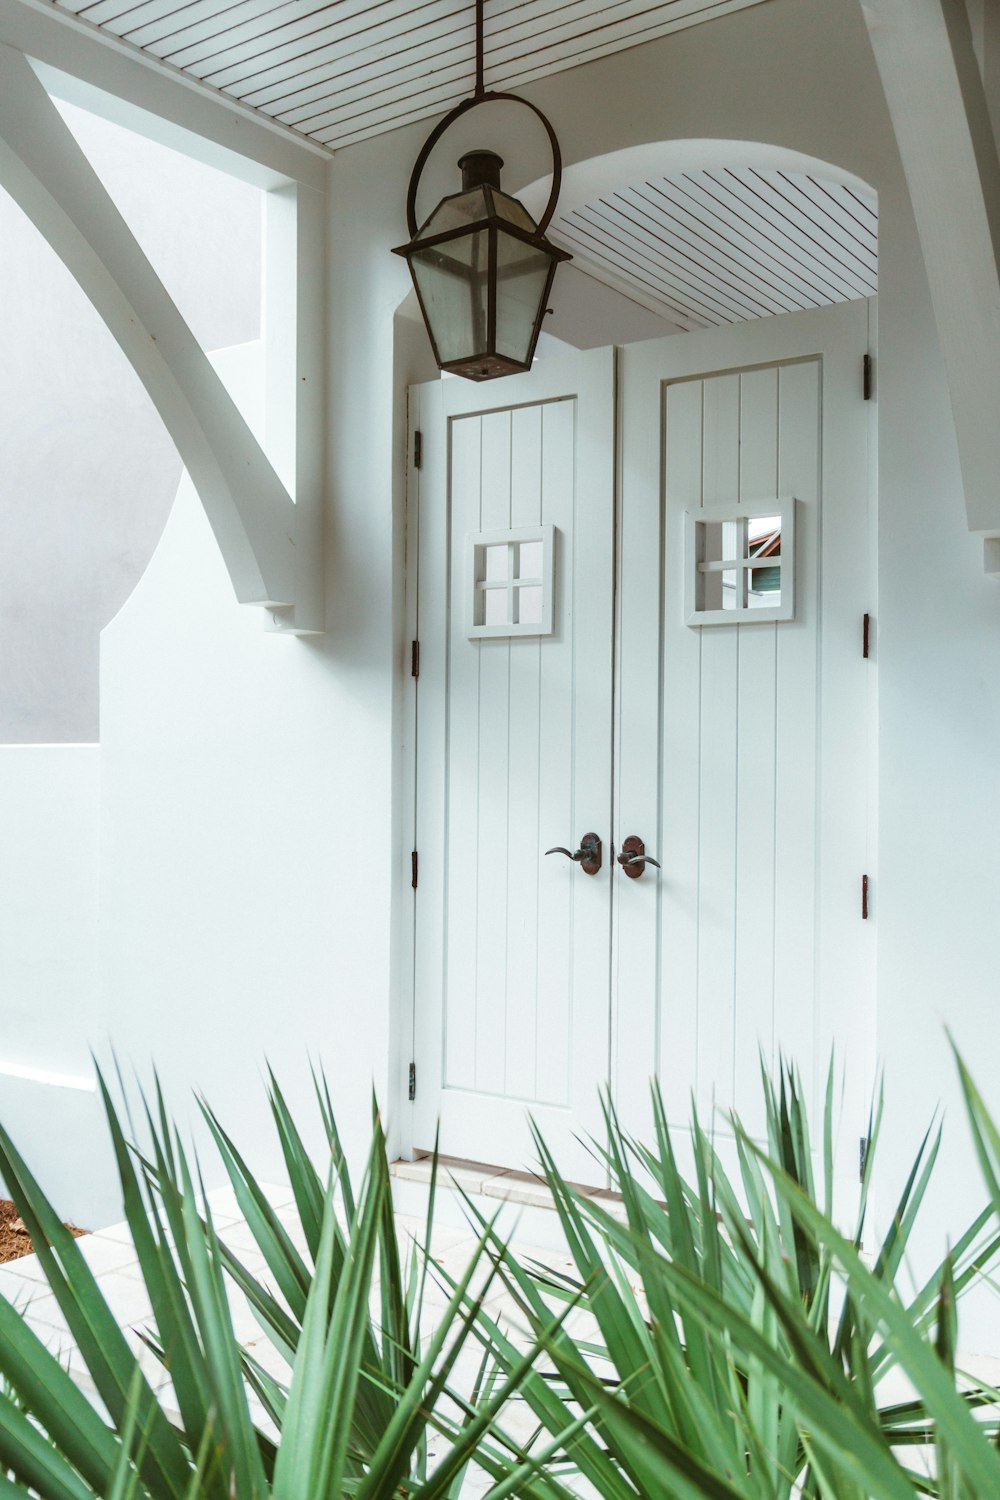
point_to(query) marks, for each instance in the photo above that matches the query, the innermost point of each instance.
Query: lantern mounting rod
(483, 96)
(480, 48)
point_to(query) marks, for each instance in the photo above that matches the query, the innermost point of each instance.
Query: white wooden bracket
(934, 91)
(271, 545)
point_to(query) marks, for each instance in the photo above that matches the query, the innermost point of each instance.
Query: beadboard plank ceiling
(706, 248)
(343, 71)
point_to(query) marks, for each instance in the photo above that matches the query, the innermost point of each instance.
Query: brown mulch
(14, 1238)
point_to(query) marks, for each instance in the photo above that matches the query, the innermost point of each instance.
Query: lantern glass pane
(456, 212)
(522, 279)
(508, 208)
(453, 283)
(472, 207)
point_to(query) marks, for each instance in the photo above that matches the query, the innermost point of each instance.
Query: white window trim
(476, 543)
(696, 520)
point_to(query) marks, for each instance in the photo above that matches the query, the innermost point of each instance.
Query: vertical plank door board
(523, 869)
(718, 789)
(493, 785)
(754, 959)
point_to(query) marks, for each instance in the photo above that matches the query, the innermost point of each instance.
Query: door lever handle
(588, 856)
(633, 857)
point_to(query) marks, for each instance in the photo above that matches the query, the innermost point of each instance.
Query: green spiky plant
(364, 1390)
(751, 1363)
(748, 1365)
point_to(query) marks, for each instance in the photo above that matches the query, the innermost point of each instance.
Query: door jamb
(404, 1011)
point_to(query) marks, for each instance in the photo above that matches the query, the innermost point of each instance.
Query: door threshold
(488, 1189)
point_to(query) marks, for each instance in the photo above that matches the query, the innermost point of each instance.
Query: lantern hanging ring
(482, 268)
(455, 114)
(483, 96)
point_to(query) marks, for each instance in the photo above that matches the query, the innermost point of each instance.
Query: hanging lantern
(481, 266)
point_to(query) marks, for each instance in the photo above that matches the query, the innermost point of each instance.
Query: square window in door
(740, 563)
(509, 578)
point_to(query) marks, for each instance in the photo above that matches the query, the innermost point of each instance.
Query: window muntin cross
(740, 563)
(510, 581)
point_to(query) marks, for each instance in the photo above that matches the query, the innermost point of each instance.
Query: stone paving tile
(17, 1286)
(125, 1295)
(224, 1205)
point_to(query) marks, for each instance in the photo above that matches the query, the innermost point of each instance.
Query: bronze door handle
(633, 857)
(588, 856)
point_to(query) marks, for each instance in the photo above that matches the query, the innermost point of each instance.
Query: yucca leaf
(275, 1321)
(306, 1184)
(283, 1260)
(102, 1345)
(956, 1426)
(845, 1432)
(36, 1462)
(659, 1464)
(177, 1338)
(538, 1391)
(210, 1304)
(45, 1389)
(317, 1450)
(985, 1135)
(338, 1156)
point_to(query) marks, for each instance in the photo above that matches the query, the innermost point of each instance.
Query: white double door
(737, 752)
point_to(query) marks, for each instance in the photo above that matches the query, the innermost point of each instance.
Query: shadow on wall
(89, 472)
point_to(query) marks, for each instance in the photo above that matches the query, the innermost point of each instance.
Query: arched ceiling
(728, 244)
(343, 71)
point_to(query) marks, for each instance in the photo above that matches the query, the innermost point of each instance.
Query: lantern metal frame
(537, 240)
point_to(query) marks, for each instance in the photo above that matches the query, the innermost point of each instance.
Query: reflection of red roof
(770, 546)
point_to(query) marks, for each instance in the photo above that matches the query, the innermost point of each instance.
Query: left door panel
(514, 735)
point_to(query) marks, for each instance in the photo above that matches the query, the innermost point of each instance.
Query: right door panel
(742, 748)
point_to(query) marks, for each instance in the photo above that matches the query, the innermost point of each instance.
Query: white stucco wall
(253, 860)
(49, 812)
(49, 1005)
(87, 481)
(240, 839)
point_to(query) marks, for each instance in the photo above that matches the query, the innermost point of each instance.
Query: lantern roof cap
(480, 168)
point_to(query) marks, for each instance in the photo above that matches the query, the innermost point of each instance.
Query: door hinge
(413, 869)
(418, 449)
(863, 1145)
(866, 638)
(412, 1091)
(868, 376)
(415, 658)
(864, 898)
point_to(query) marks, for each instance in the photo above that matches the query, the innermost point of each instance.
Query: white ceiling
(344, 70)
(697, 248)
(727, 245)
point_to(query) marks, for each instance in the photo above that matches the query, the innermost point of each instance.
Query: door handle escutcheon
(633, 857)
(588, 856)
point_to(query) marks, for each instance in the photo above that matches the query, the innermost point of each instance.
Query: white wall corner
(271, 546)
(934, 90)
(991, 557)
